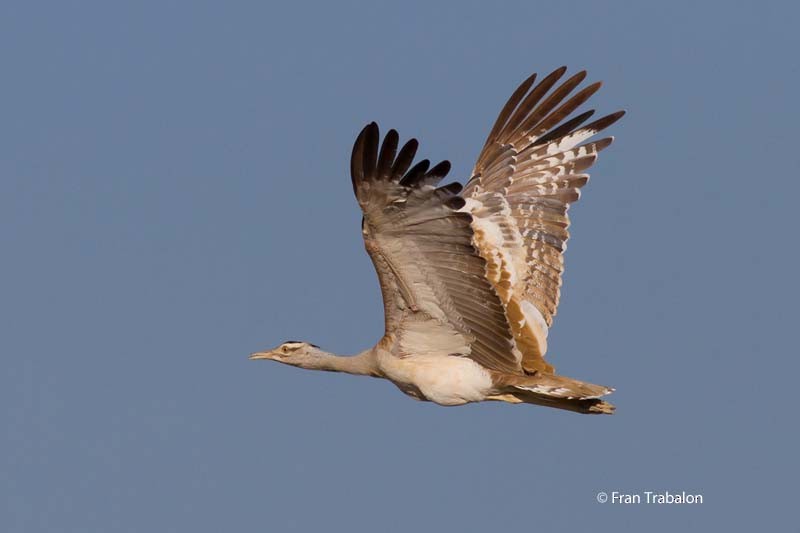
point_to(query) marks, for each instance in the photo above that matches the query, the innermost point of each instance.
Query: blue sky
(174, 194)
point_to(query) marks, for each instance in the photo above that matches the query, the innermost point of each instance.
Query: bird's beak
(260, 355)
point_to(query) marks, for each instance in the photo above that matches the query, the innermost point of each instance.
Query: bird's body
(446, 380)
(471, 278)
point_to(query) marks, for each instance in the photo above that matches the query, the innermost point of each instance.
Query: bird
(471, 275)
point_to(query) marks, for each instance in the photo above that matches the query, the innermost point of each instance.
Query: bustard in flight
(470, 276)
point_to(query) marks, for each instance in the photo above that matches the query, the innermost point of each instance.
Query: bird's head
(295, 353)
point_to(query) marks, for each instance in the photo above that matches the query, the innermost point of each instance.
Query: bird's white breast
(446, 380)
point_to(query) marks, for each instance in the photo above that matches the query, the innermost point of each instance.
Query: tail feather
(560, 392)
(590, 406)
(562, 387)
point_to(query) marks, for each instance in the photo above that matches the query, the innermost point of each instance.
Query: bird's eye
(284, 349)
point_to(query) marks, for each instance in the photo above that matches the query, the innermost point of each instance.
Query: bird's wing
(436, 297)
(529, 171)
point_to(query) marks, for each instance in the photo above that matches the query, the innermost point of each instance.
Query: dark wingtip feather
(508, 108)
(387, 154)
(437, 173)
(416, 174)
(565, 128)
(451, 188)
(592, 88)
(522, 113)
(455, 203)
(580, 76)
(529, 80)
(357, 158)
(606, 121)
(370, 153)
(404, 158)
(441, 169)
(560, 70)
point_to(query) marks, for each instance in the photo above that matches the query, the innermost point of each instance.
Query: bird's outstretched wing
(436, 297)
(529, 171)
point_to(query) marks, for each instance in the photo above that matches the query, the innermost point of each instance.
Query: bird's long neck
(362, 364)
